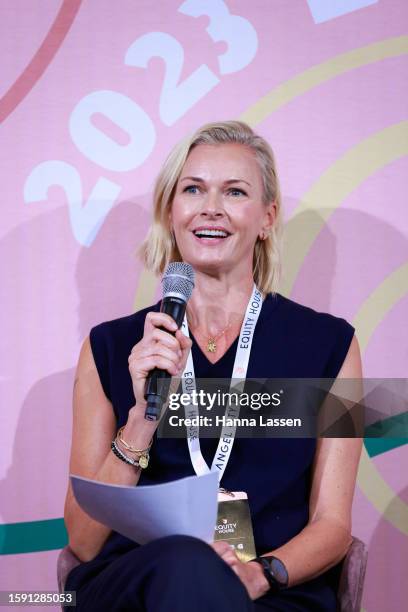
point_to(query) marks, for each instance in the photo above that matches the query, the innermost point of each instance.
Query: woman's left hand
(250, 574)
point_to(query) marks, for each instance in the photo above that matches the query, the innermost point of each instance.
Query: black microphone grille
(178, 280)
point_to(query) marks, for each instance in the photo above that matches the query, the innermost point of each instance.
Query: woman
(217, 206)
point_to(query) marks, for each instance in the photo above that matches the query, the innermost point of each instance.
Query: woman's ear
(270, 216)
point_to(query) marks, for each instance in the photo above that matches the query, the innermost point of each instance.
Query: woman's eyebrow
(236, 181)
(197, 179)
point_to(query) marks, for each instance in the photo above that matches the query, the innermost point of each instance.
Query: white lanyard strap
(240, 369)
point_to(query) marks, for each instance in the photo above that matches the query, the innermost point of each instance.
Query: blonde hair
(159, 247)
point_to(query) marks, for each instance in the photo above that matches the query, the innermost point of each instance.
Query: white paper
(143, 513)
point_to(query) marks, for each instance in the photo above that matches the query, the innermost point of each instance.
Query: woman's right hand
(156, 349)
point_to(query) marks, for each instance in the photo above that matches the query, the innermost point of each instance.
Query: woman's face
(217, 212)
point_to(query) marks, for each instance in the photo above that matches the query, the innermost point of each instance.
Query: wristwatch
(275, 572)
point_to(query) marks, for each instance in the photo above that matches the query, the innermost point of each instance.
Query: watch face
(278, 570)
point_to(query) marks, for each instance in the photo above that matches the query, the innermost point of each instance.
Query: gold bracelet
(128, 446)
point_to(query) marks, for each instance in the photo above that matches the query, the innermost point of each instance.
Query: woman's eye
(237, 192)
(191, 189)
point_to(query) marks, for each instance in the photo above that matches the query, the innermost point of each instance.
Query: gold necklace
(212, 340)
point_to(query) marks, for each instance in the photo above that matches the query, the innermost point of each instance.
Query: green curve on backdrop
(32, 536)
(51, 534)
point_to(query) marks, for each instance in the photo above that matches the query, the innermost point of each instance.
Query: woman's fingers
(164, 337)
(226, 552)
(158, 319)
(230, 557)
(158, 348)
(185, 344)
(162, 346)
(184, 341)
(163, 351)
(221, 547)
(143, 366)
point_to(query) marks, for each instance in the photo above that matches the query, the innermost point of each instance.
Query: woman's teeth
(211, 234)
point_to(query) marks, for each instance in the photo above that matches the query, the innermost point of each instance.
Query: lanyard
(240, 369)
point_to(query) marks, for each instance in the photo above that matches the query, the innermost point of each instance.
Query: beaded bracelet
(142, 461)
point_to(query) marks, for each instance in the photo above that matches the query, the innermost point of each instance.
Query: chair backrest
(351, 584)
(66, 562)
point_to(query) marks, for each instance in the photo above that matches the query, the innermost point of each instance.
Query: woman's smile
(211, 235)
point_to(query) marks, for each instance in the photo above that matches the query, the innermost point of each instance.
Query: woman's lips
(210, 241)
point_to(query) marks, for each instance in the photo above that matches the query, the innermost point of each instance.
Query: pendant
(211, 345)
(143, 461)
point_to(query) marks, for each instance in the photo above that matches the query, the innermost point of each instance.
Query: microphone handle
(158, 381)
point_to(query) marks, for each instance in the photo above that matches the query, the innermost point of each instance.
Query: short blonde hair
(159, 247)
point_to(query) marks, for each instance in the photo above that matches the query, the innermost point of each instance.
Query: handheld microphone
(178, 284)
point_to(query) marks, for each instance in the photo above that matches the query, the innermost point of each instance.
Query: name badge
(234, 524)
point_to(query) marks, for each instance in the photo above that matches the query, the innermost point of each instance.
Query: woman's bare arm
(326, 538)
(94, 423)
(94, 427)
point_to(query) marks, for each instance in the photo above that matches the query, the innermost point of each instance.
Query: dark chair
(351, 583)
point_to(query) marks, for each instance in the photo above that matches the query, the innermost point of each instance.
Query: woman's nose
(213, 204)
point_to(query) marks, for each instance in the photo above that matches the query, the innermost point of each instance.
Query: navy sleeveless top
(290, 341)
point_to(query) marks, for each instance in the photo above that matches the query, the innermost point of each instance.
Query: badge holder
(234, 524)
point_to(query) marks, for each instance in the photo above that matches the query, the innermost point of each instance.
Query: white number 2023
(176, 98)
